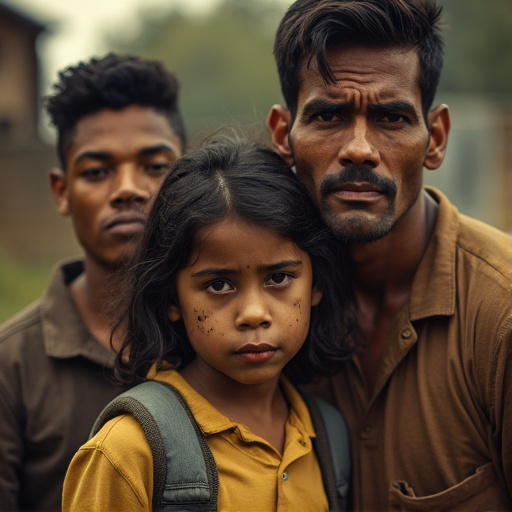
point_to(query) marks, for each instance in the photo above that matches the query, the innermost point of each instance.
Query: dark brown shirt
(436, 432)
(52, 387)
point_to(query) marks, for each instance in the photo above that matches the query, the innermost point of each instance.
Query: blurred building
(477, 171)
(19, 71)
(29, 225)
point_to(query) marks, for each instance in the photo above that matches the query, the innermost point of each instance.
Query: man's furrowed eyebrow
(322, 105)
(267, 268)
(157, 148)
(395, 107)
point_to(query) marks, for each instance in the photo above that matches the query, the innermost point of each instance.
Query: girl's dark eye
(279, 279)
(219, 286)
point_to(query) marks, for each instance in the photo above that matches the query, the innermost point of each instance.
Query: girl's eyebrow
(268, 268)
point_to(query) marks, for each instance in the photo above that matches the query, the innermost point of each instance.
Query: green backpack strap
(332, 448)
(184, 471)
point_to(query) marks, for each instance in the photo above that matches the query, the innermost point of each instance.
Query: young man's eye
(95, 173)
(278, 279)
(158, 167)
(219, 286)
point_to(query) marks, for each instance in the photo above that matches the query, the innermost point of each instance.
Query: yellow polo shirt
(114, 470)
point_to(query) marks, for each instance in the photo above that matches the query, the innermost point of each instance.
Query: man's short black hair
(111, 82)
(310, 27)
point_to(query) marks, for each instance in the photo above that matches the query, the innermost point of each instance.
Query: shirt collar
(65, 334)
(213, 421)
(433, 290)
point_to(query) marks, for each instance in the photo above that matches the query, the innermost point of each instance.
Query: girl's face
(245, 299)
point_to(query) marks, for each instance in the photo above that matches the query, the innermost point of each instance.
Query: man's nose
(358, 145)
(129, 186)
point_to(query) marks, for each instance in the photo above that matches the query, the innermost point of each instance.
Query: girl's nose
(253, 312)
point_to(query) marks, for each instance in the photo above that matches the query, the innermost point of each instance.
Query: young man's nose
(253, 311)
(357, 145)
(129, 186)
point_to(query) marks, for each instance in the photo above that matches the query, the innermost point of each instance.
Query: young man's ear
(279, 123)
(439, 124)
(59, 188)
(316, 296)
(174, 313)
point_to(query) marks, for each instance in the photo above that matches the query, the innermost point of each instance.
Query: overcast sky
(77, 26)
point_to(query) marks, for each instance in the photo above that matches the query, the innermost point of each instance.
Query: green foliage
(21, 282)
(478, 46)
(225, 63)
(223, 59)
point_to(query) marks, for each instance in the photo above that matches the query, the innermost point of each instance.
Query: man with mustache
(119, 131)
(428, 400)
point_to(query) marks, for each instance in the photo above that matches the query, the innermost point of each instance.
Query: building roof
(16, 15)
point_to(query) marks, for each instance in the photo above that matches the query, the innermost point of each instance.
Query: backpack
(184, 471)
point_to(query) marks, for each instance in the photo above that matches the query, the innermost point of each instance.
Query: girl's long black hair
(231, 177)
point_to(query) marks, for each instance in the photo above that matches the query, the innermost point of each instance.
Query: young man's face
(117, 160)
(359, 145)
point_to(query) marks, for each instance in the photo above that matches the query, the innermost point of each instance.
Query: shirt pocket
(479, 491)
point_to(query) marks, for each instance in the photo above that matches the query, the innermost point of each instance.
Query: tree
(478, 46)
(224, 60)
(225, 63)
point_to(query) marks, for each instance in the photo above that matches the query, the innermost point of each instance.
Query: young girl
(236, 293)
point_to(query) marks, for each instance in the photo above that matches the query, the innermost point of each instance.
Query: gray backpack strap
(332, 447)
(184, 471)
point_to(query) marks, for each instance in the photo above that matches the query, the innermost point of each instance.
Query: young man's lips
(125, 224)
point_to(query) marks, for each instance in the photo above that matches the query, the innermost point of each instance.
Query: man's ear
(279, 123)
(174, 313)
(59, 188)
(316, 296)
(439, 124)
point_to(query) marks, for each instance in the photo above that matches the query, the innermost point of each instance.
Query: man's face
(359, 144)
(117, 160)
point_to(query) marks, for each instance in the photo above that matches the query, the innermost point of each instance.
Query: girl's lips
(256, 353)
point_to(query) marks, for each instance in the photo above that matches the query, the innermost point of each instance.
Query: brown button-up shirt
(436, 432)
(52, 387)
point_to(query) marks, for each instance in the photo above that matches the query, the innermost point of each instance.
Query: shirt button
(367, 432)
(284, 476)
(406, 333)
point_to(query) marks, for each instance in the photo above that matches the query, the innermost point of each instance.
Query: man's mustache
(357, 174)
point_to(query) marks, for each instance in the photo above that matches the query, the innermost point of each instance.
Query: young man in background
(119, 131)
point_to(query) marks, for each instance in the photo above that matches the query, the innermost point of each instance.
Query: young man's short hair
(111, 82)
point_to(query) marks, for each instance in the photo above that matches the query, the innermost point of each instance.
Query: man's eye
(326, 117)
(278, 279)
(95, 173)
(158, 167)
(393, 118)
(219, 286)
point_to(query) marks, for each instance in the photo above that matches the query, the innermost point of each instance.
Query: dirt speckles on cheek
(202, 316)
